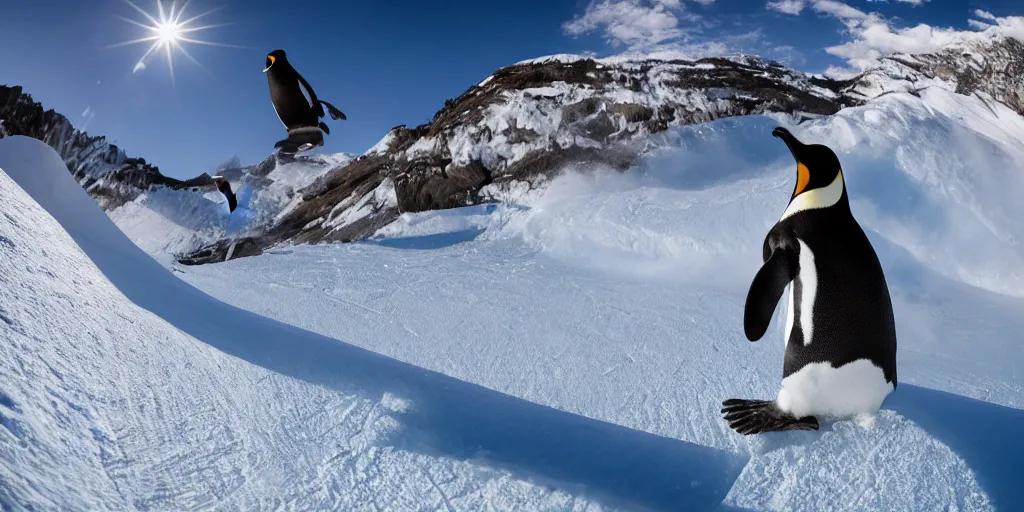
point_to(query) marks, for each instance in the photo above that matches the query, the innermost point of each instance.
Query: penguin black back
(840, 332)
(293, 108)
(851, 310)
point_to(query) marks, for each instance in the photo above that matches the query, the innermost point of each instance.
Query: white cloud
(913, 2)
(978, 25)
(793, 7)
(88, 114)
(840, 10)
(752, 42)
(873, 37)
(985, 15)
(141, 66)
(633, 23)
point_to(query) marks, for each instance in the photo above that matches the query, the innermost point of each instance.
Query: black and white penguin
(225, 188)
(840, 360)
(296, 105)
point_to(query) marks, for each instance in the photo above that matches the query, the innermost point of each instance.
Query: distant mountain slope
(510, 133)
(526, 122)
(163, 213)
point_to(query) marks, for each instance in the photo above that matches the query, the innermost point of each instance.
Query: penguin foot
(757, 416)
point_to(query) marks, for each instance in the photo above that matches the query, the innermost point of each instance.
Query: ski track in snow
(127, 388)
(620, 298)
(594, 329)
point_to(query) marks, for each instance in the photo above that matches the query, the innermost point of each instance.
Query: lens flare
(167, 32)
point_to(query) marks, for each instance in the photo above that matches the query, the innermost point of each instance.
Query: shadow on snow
(607, 462)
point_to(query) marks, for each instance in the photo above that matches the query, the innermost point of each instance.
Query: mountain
(526, 122)
(173, 216)
(568, 352)
(510, 133)
(563, 348)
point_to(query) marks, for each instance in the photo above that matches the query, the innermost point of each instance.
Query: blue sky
(386, 64)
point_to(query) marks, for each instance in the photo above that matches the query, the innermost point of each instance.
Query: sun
(166, 31)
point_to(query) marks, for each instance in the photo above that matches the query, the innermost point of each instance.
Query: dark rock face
(110, 176)
(498, 139)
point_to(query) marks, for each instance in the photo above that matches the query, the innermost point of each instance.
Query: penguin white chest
(820, 389)
(801, 298)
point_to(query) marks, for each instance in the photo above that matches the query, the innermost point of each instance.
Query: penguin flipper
(757, 416)
(335, 113)
(225, 188)
(325, 129)
(766, 290)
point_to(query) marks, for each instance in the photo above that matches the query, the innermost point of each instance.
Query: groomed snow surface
(568, 350)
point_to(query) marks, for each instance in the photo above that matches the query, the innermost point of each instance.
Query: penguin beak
(803, 174)
(791, 142)
(270, 62)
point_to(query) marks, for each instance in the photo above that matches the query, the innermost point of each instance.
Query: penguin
(225, 188)
(296, 105)
(840, 336)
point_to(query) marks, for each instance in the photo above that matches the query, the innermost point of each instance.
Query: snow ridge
(524, 124)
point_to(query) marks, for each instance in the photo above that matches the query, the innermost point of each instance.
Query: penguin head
(274, 57)
(817, 166)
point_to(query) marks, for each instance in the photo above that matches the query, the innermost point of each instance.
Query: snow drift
(619, 296)
(126, 387)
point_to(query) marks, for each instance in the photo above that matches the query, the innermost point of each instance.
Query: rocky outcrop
(103, 169)
(524, 124)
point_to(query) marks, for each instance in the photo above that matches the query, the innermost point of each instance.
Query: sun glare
(166, 33)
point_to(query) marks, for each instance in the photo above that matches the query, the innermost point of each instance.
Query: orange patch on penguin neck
(803, 177)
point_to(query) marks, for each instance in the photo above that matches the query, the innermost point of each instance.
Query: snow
(124, 387)
(568, 348)
(168, 223)
(381, 147)
(620, 298)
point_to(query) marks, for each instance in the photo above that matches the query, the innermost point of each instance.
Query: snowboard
(300, 139)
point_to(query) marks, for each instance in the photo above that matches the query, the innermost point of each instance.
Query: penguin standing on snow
(840, 332)
(296, 105)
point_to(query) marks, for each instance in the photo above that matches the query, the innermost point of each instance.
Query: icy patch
(863, 469)
(381, 147)
(381, 197)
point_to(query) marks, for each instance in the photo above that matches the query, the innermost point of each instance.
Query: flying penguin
(296, 105)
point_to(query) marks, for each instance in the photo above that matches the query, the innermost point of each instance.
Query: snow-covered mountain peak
(513, 131)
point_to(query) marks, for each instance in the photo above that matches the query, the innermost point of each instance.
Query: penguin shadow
(987, 436)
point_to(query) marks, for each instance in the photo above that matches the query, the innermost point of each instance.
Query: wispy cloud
(793, 7)
(88, 114)
(873, 37)
(634, 23)
(139, 67)
(912, 2)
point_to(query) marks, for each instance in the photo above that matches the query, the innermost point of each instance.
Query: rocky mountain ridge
(526, 122)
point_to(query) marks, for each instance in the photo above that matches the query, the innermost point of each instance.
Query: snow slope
(619, 297)
(125, 387)
(567, 349)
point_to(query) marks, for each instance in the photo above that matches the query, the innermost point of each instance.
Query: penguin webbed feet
(758, 416)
